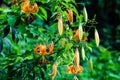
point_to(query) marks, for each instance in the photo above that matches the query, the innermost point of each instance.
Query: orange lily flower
(71, 69)
(41, 49)
(76, 68)
(28, 8)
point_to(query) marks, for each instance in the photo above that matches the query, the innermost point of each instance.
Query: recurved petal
(51, 48)
(37, 49)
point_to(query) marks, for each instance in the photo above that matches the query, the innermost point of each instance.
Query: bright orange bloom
(41, 49)
(28, 8)
(72, 70)
(37, 49)
(54, 71)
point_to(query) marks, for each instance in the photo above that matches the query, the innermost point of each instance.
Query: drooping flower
(41, 49)
(28, 8)
(76, 68)
(37, 49)
(71, 69)
(54, 71)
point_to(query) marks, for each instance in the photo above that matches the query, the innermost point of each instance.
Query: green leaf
(1, 45)
(11, 20)
(43, 13)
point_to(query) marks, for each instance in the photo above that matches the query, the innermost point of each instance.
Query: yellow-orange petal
(71, 69)
(35, 8)
(43, 49)
(37, 49)
(51, 48)
(25, 7)
(78, 70)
